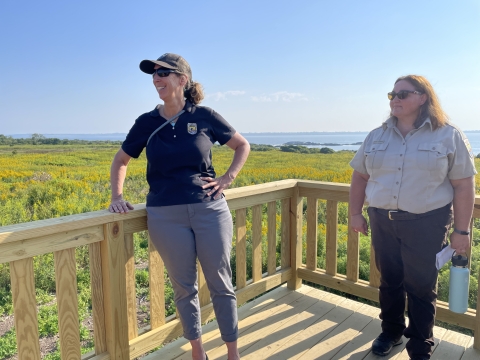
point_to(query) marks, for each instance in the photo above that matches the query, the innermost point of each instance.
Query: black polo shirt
(178, 155)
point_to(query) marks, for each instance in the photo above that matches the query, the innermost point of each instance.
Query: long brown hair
(431, 108)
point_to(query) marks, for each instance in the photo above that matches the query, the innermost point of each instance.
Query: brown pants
(405, 255)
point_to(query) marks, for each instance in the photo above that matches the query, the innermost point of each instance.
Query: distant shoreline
(123, 135)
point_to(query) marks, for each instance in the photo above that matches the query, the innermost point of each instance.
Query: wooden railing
(112, 269)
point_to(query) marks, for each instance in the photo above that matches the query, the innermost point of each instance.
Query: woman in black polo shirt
(188, 216)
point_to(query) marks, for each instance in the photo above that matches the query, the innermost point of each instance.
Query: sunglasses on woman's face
(163, 72)
(402, 94)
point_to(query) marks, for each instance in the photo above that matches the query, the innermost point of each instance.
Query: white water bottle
(459, 283)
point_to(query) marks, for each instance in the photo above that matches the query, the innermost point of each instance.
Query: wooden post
(203, 292)
(331, 245)
(312, 230)
(25, 309)
(131, 287)
(96, 284)
(374, 273)
(285, 245)
(67, 303)
(272, 237)
(256, 243)
(115, 292)
(156, 280)
(296, 218)
(241, 248)
(353, 253)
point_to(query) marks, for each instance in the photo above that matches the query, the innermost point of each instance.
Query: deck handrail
(112, 268)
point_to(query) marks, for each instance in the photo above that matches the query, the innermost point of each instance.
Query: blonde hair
(431, 108)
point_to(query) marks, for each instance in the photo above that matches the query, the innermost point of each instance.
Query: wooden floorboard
(311, 324)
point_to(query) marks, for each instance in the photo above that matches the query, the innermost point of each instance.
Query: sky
(71, 67)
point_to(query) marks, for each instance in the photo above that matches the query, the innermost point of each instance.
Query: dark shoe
(384, 343)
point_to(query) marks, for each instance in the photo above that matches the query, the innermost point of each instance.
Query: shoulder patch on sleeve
(469, 147)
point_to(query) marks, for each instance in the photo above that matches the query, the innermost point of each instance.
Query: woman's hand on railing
(120, 206)
(359, 224)
(219, 184)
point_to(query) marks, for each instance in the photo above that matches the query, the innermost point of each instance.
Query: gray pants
(181, 233)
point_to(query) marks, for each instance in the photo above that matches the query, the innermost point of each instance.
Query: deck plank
(259, 324)
(181, 346)
(471, 353)
(311, 324)
(270, 343)
(438, 334)
(359, 347)
(334, 342)
(451, 347)
(300, 344)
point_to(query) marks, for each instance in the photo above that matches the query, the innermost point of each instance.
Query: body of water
(334, 140)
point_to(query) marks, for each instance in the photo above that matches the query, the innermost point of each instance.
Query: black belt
(405, 215)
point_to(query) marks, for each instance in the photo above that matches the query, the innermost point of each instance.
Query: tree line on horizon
(39, 139)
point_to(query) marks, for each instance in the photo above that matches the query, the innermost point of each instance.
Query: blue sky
(72, 67)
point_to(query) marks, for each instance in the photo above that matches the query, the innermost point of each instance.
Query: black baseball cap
(169, 61)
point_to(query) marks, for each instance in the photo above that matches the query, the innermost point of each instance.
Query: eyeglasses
(163, 72)
(402, 94)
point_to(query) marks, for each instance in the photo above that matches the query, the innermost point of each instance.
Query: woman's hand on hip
(359, 224)
(120, 206)
(218, 185)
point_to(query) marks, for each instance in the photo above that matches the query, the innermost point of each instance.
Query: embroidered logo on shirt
(469, 147)
(192, 128)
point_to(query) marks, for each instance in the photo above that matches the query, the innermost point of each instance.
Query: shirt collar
(188, 108)
(392, 122)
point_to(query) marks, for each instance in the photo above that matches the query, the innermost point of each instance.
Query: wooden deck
(311, 324)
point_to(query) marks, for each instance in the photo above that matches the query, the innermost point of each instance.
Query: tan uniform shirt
(413, 173)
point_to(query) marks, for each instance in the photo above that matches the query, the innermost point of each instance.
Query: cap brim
(147, 66)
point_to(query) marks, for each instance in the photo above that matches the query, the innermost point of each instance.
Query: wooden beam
(374, 272)
(269, 282)
(339, 282)
(259, 190)
(40, 228)
(353, 252)
(131, 287)
(25, 309)
(285, 234)
(114, 289)
(203, 292)
(258, 199)
(272, 237)
(241, 248)
(296, 219)
(50, 243)
(466, 320)
(332, 237)
(67, 303)
(96, 284)
(312, 233)
(135, 225)
(156, 281)
(256, 243)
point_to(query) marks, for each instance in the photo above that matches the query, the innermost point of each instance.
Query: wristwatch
(461, 232)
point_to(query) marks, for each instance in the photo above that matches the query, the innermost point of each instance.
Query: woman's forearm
(239, 158)
(118, 172)
(463, 200)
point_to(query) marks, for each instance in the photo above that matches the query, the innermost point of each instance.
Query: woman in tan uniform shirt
(412, 172)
